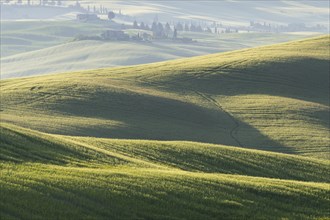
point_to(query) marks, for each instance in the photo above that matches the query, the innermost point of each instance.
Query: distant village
(158, 30)
(145, 32)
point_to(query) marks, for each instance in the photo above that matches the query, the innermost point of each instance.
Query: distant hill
(280, 12)
(37, 12)
(62, 54)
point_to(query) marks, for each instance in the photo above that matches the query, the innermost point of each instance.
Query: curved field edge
(21, 146)
(36, 190)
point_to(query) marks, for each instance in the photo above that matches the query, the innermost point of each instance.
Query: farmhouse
(114, 35)
(87, 17)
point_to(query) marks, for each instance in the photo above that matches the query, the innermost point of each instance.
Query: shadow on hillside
(19, 147)
(158, 118)
(305, 79)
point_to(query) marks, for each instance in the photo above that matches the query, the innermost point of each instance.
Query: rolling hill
(45, 175)
(32, 48)
(237, 135)
(271, 98)
(30, 35)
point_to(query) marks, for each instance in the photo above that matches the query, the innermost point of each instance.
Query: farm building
(114, 35)
(87, 17)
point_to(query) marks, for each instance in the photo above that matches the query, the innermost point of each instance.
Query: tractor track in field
(210, 99)
(233, 131)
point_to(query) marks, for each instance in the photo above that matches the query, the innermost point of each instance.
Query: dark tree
(160, 27)
(175, 34)
(135, 25)
(154, 27)
(156, 19)
(168, 29)
(142, 26)
(179, 27)
(199, 28)
(77, 4)
(192, 28)
(186, 27)
(147, 27)
(111, 15)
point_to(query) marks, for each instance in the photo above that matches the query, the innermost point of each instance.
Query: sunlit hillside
(66, 177)
(273, 98)
(237, 135)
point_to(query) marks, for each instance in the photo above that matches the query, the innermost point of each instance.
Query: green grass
(39, 191)
(272, 98)
(71, 177)
(239, 135)
(22, 145)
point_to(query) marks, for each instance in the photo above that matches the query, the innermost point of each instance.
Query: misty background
(53, 36)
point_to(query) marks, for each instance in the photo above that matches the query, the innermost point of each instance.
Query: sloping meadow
(239, 135)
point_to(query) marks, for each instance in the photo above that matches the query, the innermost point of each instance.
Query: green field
(237, 135)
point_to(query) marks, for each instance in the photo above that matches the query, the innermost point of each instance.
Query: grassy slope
(22, 36)
(43, 191)
(272, 98)
(67, 177)
(247, 99)
(21, 146)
